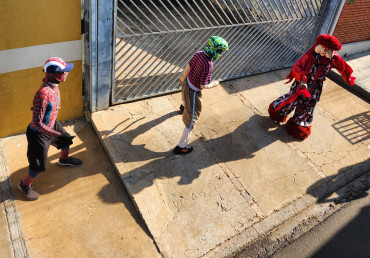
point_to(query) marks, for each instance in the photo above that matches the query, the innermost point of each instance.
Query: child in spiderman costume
(44, 129)
(309, 73)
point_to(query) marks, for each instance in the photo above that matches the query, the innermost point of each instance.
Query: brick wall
(354, 22)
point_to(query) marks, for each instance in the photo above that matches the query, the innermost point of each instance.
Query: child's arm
(301, 67)
(184, 74)
(343, 68)
(39, 108)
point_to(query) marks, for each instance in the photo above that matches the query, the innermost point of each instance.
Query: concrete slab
(82, 212)
(340, 130)
(250, 144)
(244, 167)
(192, 199)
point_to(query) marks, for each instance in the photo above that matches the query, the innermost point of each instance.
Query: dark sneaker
(182, 151)
(181, 110)
(28, 192)
(71, 161)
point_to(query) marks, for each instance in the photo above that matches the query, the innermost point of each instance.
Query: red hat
(329, 41)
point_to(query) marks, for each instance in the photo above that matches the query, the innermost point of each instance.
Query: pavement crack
(234, 179)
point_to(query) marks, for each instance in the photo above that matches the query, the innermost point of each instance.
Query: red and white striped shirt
(201, 67)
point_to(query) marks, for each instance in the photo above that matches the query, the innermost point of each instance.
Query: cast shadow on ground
(124, 140)
(257, 133)
(324, 188)
(56, 177)
(352, 240)
(355, 129)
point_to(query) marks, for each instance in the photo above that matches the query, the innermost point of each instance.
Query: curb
(16, 237)
(287, 224)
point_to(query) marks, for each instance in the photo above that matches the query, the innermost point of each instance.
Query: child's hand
(212, 84)
(216, 83)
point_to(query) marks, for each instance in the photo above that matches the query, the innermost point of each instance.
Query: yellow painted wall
(17, 90)
(38, 22)
(33, 23)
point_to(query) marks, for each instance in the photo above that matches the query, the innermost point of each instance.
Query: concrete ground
(81, 212)
(245, 177)
(360, 62)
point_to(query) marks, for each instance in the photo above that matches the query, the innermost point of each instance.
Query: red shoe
(275, 115)
(298, 132)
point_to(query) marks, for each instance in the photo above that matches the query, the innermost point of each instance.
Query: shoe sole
(63, 164)
(28, 199)
(182, 153)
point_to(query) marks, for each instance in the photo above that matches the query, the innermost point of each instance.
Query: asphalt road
(344, 234)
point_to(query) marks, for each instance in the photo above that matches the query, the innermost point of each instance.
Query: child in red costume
(44, 129)
(309, 73)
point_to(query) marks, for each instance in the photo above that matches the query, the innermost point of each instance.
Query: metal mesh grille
(156, 39)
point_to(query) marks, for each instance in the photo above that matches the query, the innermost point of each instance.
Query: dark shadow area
(257, 133)
(352, 241)
(115, 192)
(355, 129)
(137, 152)
(325, 187)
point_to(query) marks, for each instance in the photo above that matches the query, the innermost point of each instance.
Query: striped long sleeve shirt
(201, 67)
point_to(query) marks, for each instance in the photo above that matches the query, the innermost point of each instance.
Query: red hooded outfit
(310, 69)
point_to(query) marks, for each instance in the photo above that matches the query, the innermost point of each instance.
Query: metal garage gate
(154, 40)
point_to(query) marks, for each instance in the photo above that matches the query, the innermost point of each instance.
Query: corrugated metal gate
(155, 39)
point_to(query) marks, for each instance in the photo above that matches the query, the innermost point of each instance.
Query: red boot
(299, 132)
(275, 115)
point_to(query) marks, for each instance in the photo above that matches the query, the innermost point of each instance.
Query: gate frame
(99, 51)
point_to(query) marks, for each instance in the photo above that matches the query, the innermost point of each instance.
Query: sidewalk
(360, 63)
(245, 177)
(81, 212)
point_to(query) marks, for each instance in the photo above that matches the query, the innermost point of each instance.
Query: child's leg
(38, 146)
(182, 106)
(65, 150)
(26, 188)
(65, 159)
(192, 110)
(184, 138)
(27, 181)
(37, 150)
(299, 126)
(280, 116)
(193, 107)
